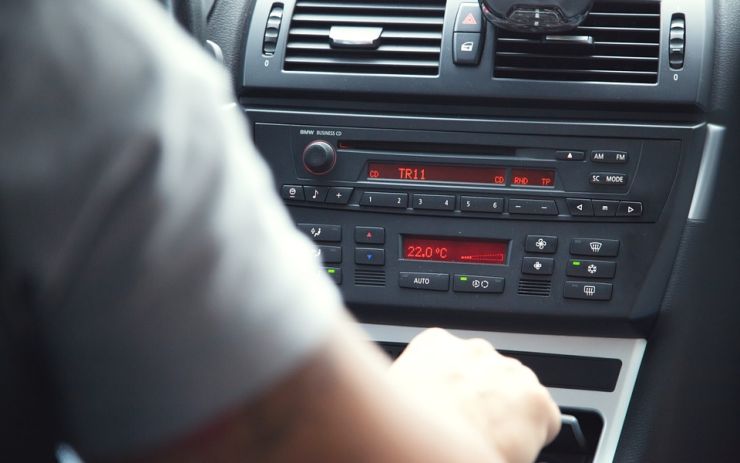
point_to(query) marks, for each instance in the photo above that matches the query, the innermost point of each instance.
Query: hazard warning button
(469, 18)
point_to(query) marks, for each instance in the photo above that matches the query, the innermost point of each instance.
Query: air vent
(534, 287)
(408, 36)
(369, 277)
(618, 42)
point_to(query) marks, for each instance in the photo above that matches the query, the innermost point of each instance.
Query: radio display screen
(436, 173)
(458, 250)
(532, 177)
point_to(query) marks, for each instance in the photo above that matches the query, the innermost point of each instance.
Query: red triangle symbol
(470, 19)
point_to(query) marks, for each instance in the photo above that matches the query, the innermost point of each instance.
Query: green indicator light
(463, 278)
(576, 263)
(331, 270)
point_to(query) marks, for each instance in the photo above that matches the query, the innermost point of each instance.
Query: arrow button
(570, 155)
(629, 209)
(580, 207)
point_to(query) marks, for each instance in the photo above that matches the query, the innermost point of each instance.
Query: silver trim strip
(355, 37)
(611, 405)
(710, 160)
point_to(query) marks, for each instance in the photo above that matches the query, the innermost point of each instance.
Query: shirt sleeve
(173, 286)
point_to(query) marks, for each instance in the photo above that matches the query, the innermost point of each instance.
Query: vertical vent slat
(623, 46)
(410, 43)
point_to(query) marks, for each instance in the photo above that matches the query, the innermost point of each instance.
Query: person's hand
(497, 396)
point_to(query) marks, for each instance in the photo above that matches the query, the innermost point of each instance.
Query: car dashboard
(540, 191)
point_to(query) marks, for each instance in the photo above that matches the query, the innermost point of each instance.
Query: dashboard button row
(599, 156)
(588, 208)
(460, 283)
(317, 194)
(577, 207)
(586, 290)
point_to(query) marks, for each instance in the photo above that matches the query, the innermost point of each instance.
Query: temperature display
(532, 177)
(467, 251)
(436, 173)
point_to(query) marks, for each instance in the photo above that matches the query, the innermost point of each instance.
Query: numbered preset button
(481, 204)
(434, 202)
(384, 199)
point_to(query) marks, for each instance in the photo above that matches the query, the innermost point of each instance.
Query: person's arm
(170, 288)
(445, 401)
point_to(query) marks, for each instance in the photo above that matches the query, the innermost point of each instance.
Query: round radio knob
(319, 157)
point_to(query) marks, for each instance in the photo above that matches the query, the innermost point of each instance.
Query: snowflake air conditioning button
(591, 268)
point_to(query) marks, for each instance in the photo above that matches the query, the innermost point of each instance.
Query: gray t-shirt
(151, 278)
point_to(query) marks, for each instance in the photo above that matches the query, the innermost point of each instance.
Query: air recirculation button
(272, 29)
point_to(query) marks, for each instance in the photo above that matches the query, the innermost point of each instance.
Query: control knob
(319, 157)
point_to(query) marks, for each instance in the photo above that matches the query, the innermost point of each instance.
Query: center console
(530, 189)
(491, 227)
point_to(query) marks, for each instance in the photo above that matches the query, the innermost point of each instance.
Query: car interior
(558, 177)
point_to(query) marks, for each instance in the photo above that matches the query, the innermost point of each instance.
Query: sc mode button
(608, 178)
(430, 281)
(477, 284)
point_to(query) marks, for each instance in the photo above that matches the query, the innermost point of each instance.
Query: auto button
(430, 281)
